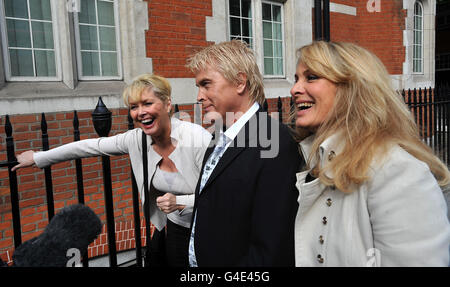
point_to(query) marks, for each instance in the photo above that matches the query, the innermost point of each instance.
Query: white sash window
(97, 42)
(30, 51)
(418, 38)
(263, 31)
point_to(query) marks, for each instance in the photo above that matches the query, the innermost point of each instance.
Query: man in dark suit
(246, 199)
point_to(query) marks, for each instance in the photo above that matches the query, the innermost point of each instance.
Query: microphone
(74, 226)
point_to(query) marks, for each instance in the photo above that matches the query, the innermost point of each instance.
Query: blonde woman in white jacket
(175, 152)
(370, 194)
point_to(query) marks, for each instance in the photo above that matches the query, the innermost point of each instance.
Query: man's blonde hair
(159, 85)
(230, 59)
(368, 113)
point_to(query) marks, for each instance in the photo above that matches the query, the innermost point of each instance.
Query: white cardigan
(398, 218)
(190, 140)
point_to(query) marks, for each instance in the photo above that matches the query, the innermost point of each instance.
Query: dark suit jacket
(246, 211)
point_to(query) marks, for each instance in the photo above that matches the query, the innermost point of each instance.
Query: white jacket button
(331, 155)
(329, 202)
(321, 241)
(320, 259)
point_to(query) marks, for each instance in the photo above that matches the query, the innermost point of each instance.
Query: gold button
(321, 241)
(320, 259)
(331, 155)
(329, 202)
(324, 220)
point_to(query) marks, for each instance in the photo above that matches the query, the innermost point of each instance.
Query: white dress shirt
(229, 135)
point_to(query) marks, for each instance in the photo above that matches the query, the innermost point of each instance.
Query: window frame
(56, 48)
(118, 45)
(257, 33)
(416, 46)
(283, 41)
(252, 36)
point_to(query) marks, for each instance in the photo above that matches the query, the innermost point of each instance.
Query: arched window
(418, 38)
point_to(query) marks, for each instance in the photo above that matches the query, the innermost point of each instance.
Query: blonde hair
(230, 59)
(368, 113)
(159, 85)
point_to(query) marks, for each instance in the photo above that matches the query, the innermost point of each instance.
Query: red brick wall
(380, 32)
(176, 30)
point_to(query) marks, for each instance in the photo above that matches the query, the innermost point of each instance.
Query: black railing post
(11, 157)
(79, 171)
(47, 171)
(420, 115)
(136, 204)
(177, 111)
(447, 116)
(326, 20)
(78, 163)
(439, 120)
(102, 119)
(434, 133)
(317, 19)
(265, 106)
(280, 110)
(428, 114)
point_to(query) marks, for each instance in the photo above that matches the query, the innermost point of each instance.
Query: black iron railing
(102, 123)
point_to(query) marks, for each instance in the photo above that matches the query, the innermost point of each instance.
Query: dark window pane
(235, 26)
(109, 64)
(268, 48)
(246, 28)
(90, 62)
(266, 10)
(42, 35)
(21, 63)
(18, 33)
(40, 10)
(88, 37)
(87, 12)
(267, 30)
(16, 8)
(268, 66)
(246, 8)
(45, 63)
(105, 13)
(107, 38)
(235, 8)
(276, 13)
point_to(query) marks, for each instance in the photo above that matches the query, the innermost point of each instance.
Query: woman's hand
(25, 159)
(168, 203)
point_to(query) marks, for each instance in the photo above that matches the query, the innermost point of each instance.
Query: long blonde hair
(231, 58)
(368, 113)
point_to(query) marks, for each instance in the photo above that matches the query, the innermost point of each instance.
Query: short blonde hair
(230, 59)
(368, 112)
(159, 85)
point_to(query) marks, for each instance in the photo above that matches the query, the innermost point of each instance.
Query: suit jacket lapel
(235, 148)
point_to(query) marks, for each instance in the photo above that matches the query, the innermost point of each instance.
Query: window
(269, 39)
(418, 38)
(241, 21)
(28, 31)
(273, 39)
(98, 53)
